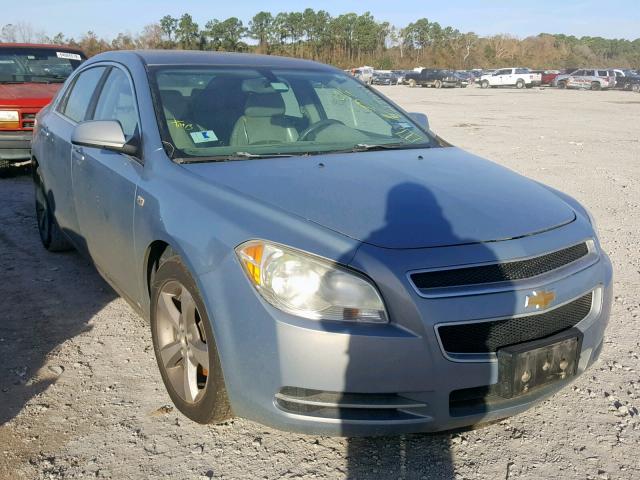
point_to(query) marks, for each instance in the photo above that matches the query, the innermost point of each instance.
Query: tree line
(351, 39)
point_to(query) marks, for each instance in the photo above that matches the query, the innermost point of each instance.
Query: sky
(610, 19)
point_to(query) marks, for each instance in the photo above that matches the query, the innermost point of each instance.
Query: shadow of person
(413, 215)
(48, 299)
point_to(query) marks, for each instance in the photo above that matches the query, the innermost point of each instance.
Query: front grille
(500, 272)
(489, 336)
(28, 119)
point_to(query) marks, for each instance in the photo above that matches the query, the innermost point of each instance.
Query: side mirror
(105, 134)
(421, 119)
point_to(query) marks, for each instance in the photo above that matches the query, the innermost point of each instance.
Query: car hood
(27, 95)
(399, 198)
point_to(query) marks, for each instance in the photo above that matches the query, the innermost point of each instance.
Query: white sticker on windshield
(204, 136)
(70, 56)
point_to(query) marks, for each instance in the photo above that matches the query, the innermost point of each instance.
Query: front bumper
(15, 146)
(397, 371)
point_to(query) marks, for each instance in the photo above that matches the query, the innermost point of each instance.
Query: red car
(547, 76)
(30, 76)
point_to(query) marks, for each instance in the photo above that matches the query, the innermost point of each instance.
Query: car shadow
(416, 455)
(49, 299)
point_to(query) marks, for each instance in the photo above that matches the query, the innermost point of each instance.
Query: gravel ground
(80, 394)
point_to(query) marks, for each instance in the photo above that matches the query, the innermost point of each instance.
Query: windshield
(216, 112)
(19, 65)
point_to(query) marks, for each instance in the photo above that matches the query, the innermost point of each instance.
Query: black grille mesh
(486, 337)
(500, 272)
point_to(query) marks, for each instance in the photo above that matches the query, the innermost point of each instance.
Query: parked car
(383, 78)
(364, 74)
(546, 76)
(627, 79)
(510, 77)
(590, 78)
(398, 76)
(431, 77)
(30, 75)
(308, 254)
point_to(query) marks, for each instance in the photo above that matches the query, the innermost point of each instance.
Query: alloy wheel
(182, 342)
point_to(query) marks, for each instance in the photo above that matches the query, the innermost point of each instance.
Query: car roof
(40, 45)
(196, 58)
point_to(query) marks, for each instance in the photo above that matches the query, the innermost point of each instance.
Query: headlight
(9, 119)
(307, 286)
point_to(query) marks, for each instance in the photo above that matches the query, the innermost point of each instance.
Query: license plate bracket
(527, 366)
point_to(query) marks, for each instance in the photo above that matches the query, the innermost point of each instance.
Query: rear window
(45, 65)
(603, 73)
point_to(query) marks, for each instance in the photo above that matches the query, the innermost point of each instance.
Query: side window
(292, 107)
(589, 73)
(117, 102)
(504, 71)
(602, 73)
(521, 71)
(77, 102)
(339, 105)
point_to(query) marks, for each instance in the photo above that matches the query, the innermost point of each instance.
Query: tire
(562, 84)
(5, 168)
(596, 86)
(50, 232)
(206, 401)
(520, 84)
(484, 84)
(635, 87)
(412, 83)
(437, 84)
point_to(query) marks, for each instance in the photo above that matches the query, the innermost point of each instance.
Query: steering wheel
(316, 127)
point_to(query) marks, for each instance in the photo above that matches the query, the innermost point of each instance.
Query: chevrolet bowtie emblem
(539, 299)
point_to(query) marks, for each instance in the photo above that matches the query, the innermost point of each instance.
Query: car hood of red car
(27, 95)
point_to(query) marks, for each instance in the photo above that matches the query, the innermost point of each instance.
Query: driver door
(105, 184)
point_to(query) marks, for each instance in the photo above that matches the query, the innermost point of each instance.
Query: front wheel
(562, 85)
(437, 84)
(412, 83)
(635, 87)
(51, 234)
(184, 345)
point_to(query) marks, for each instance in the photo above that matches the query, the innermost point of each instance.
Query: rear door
(105, 184)
(55, 132)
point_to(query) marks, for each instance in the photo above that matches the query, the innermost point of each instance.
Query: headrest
(257, 85)
(264, 105)
(173, 100)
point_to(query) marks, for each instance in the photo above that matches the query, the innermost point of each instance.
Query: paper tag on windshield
(204, 136)
(70, 56)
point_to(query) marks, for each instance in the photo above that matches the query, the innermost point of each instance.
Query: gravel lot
(80, 394)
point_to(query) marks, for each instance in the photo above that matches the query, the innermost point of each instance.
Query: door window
(117, 102)
(77, 102)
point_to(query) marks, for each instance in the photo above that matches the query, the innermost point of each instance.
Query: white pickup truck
(511, 77)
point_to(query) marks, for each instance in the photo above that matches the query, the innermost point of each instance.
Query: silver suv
(592, 78)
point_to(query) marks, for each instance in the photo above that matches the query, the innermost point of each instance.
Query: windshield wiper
(366, 147)
(232, 156)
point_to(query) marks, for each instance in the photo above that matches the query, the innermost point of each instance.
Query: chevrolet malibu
(308, 254)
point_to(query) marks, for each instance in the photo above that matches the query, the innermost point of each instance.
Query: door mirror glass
(421, 119)
(106, 134)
